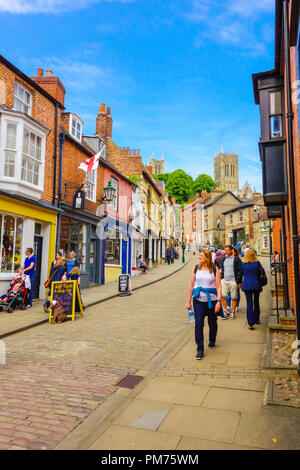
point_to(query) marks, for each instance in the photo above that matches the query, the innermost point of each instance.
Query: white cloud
(48, 6)
(233, 23)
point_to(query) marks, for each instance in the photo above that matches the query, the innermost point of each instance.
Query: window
(31, 157)
(114, 204)
(240, 217)
(112, 247)
(11, 229)
(230, 219)
(265, 242)
(75, 127)
(73, 237)
(22, 99)
(90, 185)
(206, 225)
(232, 170)
(10, 149)
(275, 115)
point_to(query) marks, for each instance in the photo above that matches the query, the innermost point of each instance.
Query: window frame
(77, 121)
(26, 90)
(265, 246)
(114, 205)
(4, 274)
(241, 217)
(93, 185)
(271, 115)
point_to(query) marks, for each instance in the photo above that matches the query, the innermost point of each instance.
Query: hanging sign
(78, 200)
(67, 294)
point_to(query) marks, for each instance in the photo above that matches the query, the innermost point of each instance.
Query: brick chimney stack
(104, 122)
(50, 84)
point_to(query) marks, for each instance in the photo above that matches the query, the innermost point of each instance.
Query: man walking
(28, 268)
(231, 279)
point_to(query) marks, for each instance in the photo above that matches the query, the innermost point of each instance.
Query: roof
(243, 205)
(215, 199)
(30, 82)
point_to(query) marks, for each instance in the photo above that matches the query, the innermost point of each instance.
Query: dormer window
(22, 99)
(275, 115)
(76, 127)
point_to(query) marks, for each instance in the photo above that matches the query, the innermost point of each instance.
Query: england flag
(91, 163)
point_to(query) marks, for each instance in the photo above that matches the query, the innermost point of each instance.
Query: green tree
(203, 182)
(162, 177)
(180, 186)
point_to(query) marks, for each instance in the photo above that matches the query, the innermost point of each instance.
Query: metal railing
(278, 272)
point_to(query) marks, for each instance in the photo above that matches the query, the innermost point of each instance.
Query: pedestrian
(28, 269)
(231, 279)
(172, 254)
(228, 297)
(142, 265)
(56, 274)
(168, 255)
(220, 257)
(71, 262)
(252, 287)
(58, 255)
(205, 287)
(275, 258)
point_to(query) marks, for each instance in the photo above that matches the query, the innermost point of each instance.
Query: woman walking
(71, 263)
(252, 287)
(205, 287)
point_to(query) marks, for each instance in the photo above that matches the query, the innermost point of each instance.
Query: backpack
(214, 269)
(169, 253)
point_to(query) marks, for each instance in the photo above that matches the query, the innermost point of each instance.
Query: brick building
(277, 93)
(29, 140)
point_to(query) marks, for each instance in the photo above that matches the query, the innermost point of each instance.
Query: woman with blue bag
(205, 288)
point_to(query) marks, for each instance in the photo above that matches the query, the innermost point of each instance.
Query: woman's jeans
(201, 310)
(253, 310)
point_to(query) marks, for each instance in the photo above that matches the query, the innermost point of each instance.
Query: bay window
(22, 155)
(275, 115)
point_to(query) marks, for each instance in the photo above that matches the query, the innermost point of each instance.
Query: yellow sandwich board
(67, 294)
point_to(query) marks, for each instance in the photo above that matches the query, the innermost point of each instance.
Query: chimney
(203, 193)
(104, 122)
(50, 84)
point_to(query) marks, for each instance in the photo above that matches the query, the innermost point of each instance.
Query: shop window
(112, 247)
(73, 237)
(11, 229)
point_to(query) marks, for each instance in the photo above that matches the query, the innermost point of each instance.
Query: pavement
(61, 389)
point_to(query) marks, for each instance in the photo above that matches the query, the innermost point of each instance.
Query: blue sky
(176, 73)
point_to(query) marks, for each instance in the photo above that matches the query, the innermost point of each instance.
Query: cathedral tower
(226, 171)
(157, 165)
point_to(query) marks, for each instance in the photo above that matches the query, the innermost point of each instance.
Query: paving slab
(234, 400)
(241, 359)
(144, 414)
(272, 429)
(171, 391)
(189, 443)
(233, 383)
(125, 438)
(204, 423)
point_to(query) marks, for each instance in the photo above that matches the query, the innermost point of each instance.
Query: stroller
(16, 296)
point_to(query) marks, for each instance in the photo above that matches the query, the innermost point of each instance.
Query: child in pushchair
(16, 295)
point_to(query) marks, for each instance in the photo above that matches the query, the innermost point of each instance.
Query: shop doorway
(37, 251)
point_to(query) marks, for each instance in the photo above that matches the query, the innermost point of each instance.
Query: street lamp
(109, 194)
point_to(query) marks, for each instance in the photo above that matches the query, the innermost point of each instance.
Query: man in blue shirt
(28, 268)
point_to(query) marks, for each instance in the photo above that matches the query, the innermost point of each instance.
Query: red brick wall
(43, 110)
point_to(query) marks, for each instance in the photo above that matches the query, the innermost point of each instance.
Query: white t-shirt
(207, 280)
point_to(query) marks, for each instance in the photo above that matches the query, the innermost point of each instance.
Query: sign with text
(124, 286)
(67, 294)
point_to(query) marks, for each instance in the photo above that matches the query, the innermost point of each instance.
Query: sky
(176, 73)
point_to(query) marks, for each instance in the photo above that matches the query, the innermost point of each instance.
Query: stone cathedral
(226, 171)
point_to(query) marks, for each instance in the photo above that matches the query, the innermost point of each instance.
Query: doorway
(37, 251)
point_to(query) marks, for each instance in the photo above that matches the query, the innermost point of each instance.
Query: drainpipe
(55, 154)
(62, 140)
(290, 149)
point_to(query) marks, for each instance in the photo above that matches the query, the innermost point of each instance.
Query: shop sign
(78, 200)
(124, 285)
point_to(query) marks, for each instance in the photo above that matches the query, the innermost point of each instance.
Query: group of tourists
(215, 288)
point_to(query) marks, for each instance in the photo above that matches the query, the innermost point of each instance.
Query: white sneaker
(232, 316)
(236, 310)
(226, 315)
